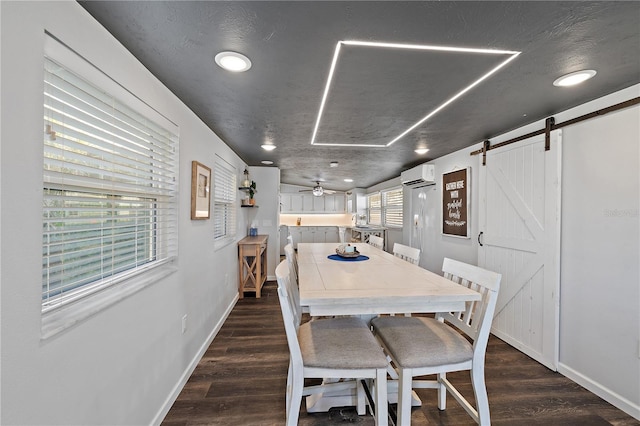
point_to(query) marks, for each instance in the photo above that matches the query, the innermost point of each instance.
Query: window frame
(388, 207)
(224, 203)
(70, 307)
(381, 208)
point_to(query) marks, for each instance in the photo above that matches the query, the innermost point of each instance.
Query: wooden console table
(252, 262)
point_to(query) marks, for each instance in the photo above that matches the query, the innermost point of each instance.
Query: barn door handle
(480, 235)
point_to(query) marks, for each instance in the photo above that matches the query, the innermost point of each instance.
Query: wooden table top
(382, 284)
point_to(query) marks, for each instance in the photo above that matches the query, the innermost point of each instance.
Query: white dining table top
(383, 284)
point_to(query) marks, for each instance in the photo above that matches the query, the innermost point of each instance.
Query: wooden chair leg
(442, 392)
(404, 397)
(293, 413)
(289, 388)
(382, 418)
(361, 407)
(480, 391)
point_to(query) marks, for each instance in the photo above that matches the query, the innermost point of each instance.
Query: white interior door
(519, 219)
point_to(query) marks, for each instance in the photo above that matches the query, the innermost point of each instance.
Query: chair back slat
(290, 312)
(377, 242)
(410, 254)
(475, 320)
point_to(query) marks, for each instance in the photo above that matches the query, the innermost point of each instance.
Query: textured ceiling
(376, 93)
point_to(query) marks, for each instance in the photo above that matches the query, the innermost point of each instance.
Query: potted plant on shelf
(252, 191)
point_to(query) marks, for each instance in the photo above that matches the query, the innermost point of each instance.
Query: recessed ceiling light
(333, 164)
(267, 162)
(421, 151)
(268, 147)
(574, 78)
(348, 180)
(233, 61)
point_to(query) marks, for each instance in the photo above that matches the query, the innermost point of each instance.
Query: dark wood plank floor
(241, 381)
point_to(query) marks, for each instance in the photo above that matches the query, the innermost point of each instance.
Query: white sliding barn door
(519, 219)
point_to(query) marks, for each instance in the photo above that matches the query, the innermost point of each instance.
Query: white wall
(600, 276)
(125, 364)
(266, 216)
(426, 202)
(600, 279)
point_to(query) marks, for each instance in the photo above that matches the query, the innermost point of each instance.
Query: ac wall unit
(419, 176)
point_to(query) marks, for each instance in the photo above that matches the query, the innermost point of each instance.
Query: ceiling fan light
(233, 61)
(318, 191)
(574, 78)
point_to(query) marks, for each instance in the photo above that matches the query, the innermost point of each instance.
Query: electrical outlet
(184, 323)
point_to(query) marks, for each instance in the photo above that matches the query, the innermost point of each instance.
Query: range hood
(419, 176)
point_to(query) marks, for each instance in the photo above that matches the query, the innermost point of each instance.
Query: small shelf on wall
(248, 205)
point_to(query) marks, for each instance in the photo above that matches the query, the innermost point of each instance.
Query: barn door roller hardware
(551, 126)
(486, 146)
(548, 126)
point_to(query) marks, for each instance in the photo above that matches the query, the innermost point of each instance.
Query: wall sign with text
(455, 203)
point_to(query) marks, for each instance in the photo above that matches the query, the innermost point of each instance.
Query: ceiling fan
(318, 190)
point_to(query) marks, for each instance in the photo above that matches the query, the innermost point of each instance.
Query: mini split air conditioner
(419, 176)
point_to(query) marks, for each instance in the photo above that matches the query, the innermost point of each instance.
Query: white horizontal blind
(110, 189)
(392, 207)
(374, 209)
(224, 200)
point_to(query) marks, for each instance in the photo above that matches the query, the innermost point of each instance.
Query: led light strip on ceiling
(512, 56)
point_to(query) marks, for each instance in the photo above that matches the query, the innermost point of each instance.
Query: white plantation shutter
(392, 206)
(374, 208)
(224, 201)
(110, 188)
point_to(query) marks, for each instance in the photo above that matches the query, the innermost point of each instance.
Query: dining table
(369, 283)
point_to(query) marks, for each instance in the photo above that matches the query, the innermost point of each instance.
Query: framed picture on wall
(200, 191)
(455, 203)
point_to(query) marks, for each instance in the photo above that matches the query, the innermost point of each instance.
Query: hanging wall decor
(455, 203)
(200, 191)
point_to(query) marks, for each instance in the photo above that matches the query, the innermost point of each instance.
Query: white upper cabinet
(307, 203)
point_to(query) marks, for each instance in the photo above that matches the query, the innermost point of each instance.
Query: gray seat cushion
(422, 342)
(340, 343)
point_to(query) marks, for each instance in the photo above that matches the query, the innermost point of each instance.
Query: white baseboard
(157, 420)
(629, 407)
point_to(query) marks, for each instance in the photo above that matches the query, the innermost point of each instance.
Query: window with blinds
(224, 201)
(374, 210)
(392, 207)
(110, 189)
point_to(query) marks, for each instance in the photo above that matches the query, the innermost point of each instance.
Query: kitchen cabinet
(307, 203)
(334, 203)
(314, 234)
(331, 234)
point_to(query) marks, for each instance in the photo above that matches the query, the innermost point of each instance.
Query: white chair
(410, 254)
(290, 239)
(419, 346)
(328, 348)
(377, 242)
(341, 233)
(292, 260)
